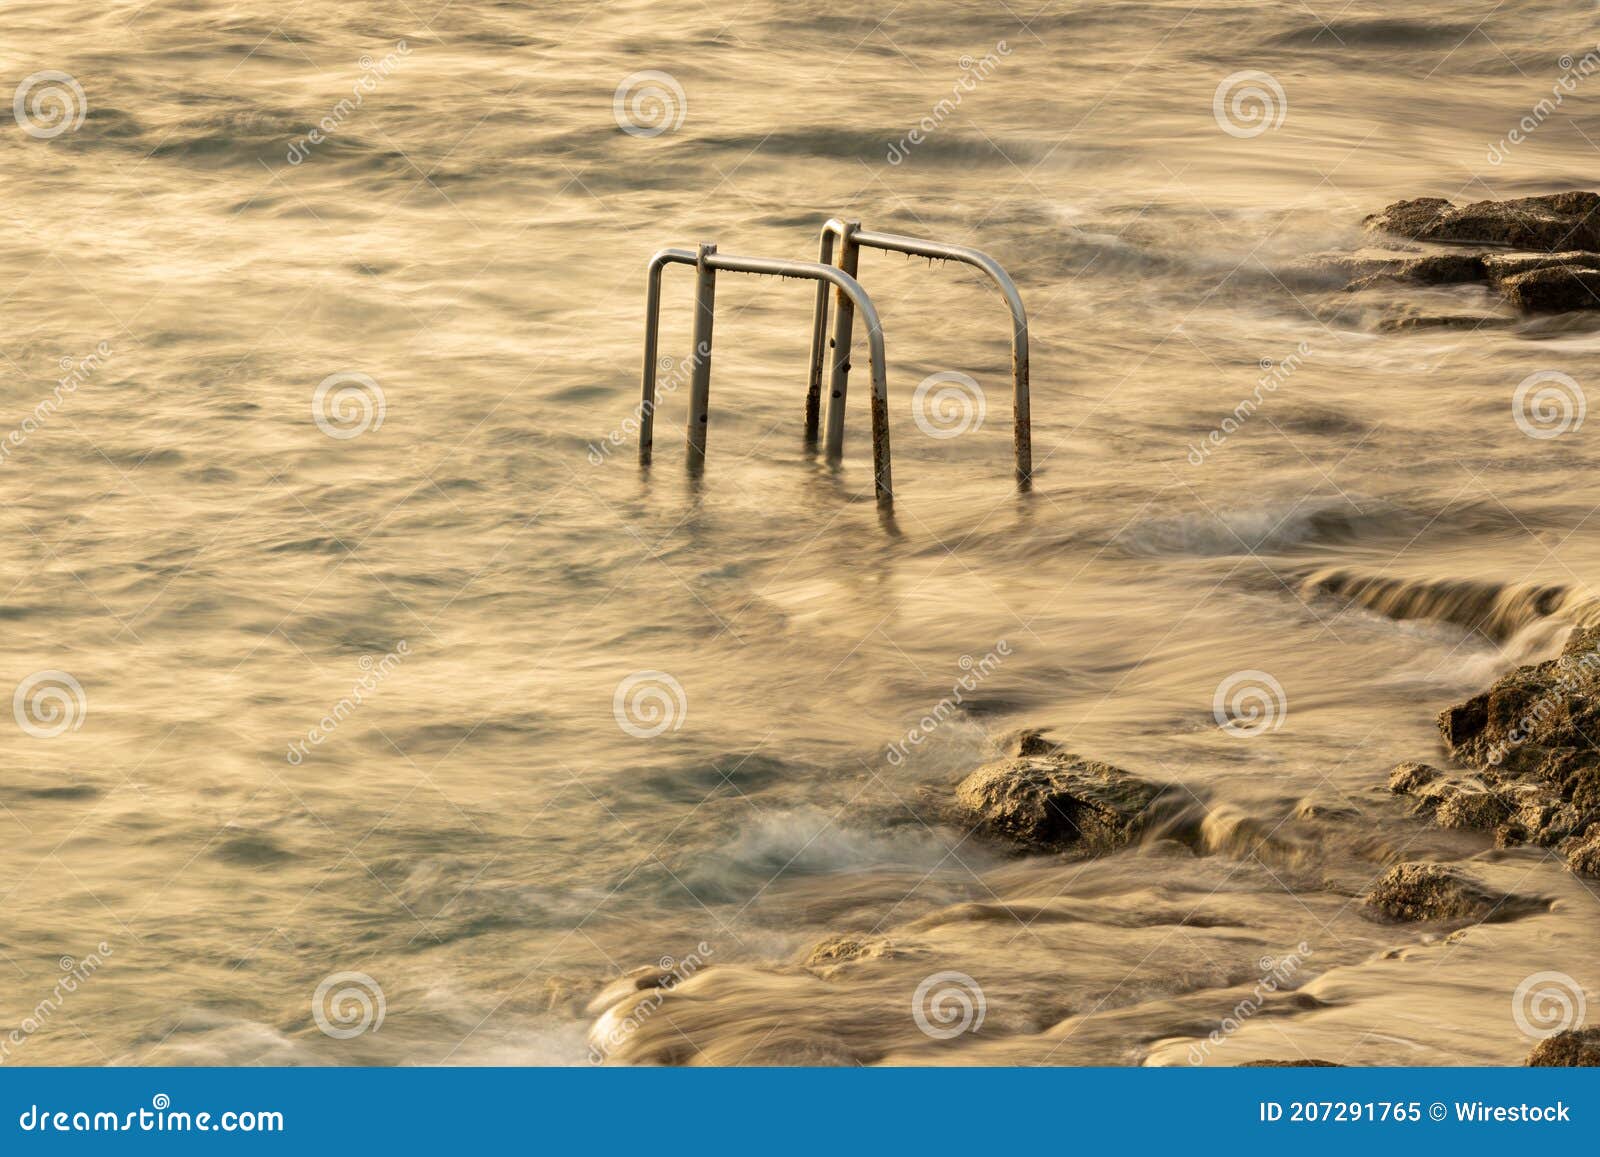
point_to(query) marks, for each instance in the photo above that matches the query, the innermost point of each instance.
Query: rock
(1307, 1063)
(1531, 737)
(1499, 266)
(837, 950)
(1584, 858)
(1548, 224)
(1466, 808)
(1412, 322)
(1553, 288)
(1058, 801)
(1408, 778)
(1435, 892)
(1574, 1048)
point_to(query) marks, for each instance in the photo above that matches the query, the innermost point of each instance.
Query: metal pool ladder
(851, 297)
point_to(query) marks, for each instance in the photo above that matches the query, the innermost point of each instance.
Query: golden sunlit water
(394, 713)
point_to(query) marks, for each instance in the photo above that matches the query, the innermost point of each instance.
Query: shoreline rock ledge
(1046, 799)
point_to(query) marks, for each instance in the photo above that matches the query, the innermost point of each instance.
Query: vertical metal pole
(819, 342)
(705, 299)
(1022, 429)
(647, 389)
(843, 316)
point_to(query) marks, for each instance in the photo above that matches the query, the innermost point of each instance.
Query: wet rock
(1408, 778)
(1574, 1048)
(828, 954)
(1553, 289)
(1409, 323)
(1307, 1063)
(1548, 224)
(1058, 801)
(1467, 808)
(1499, 266)
(1584, 858)
(1531, 738)
(1437, 893)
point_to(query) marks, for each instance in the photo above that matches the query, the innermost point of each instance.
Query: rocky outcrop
(1574, 1048)
(1547, 224)
(1051, 800)
(1532, 739)
(1439, 893)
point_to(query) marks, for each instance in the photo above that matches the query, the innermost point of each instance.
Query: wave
(1499, 611)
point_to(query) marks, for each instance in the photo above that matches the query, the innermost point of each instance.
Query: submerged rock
(1549, 224)
(1056, 801)
(1307, 1063)
(1574, 1048)
(1436, 892)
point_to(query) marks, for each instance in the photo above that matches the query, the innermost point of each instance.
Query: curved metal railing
(707, 262)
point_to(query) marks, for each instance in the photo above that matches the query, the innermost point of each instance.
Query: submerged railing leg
(819, 342)
(844, 313)
(705, 300)
(1022, 427)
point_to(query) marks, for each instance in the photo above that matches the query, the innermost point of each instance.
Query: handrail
(707, 262)
(851, 237)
